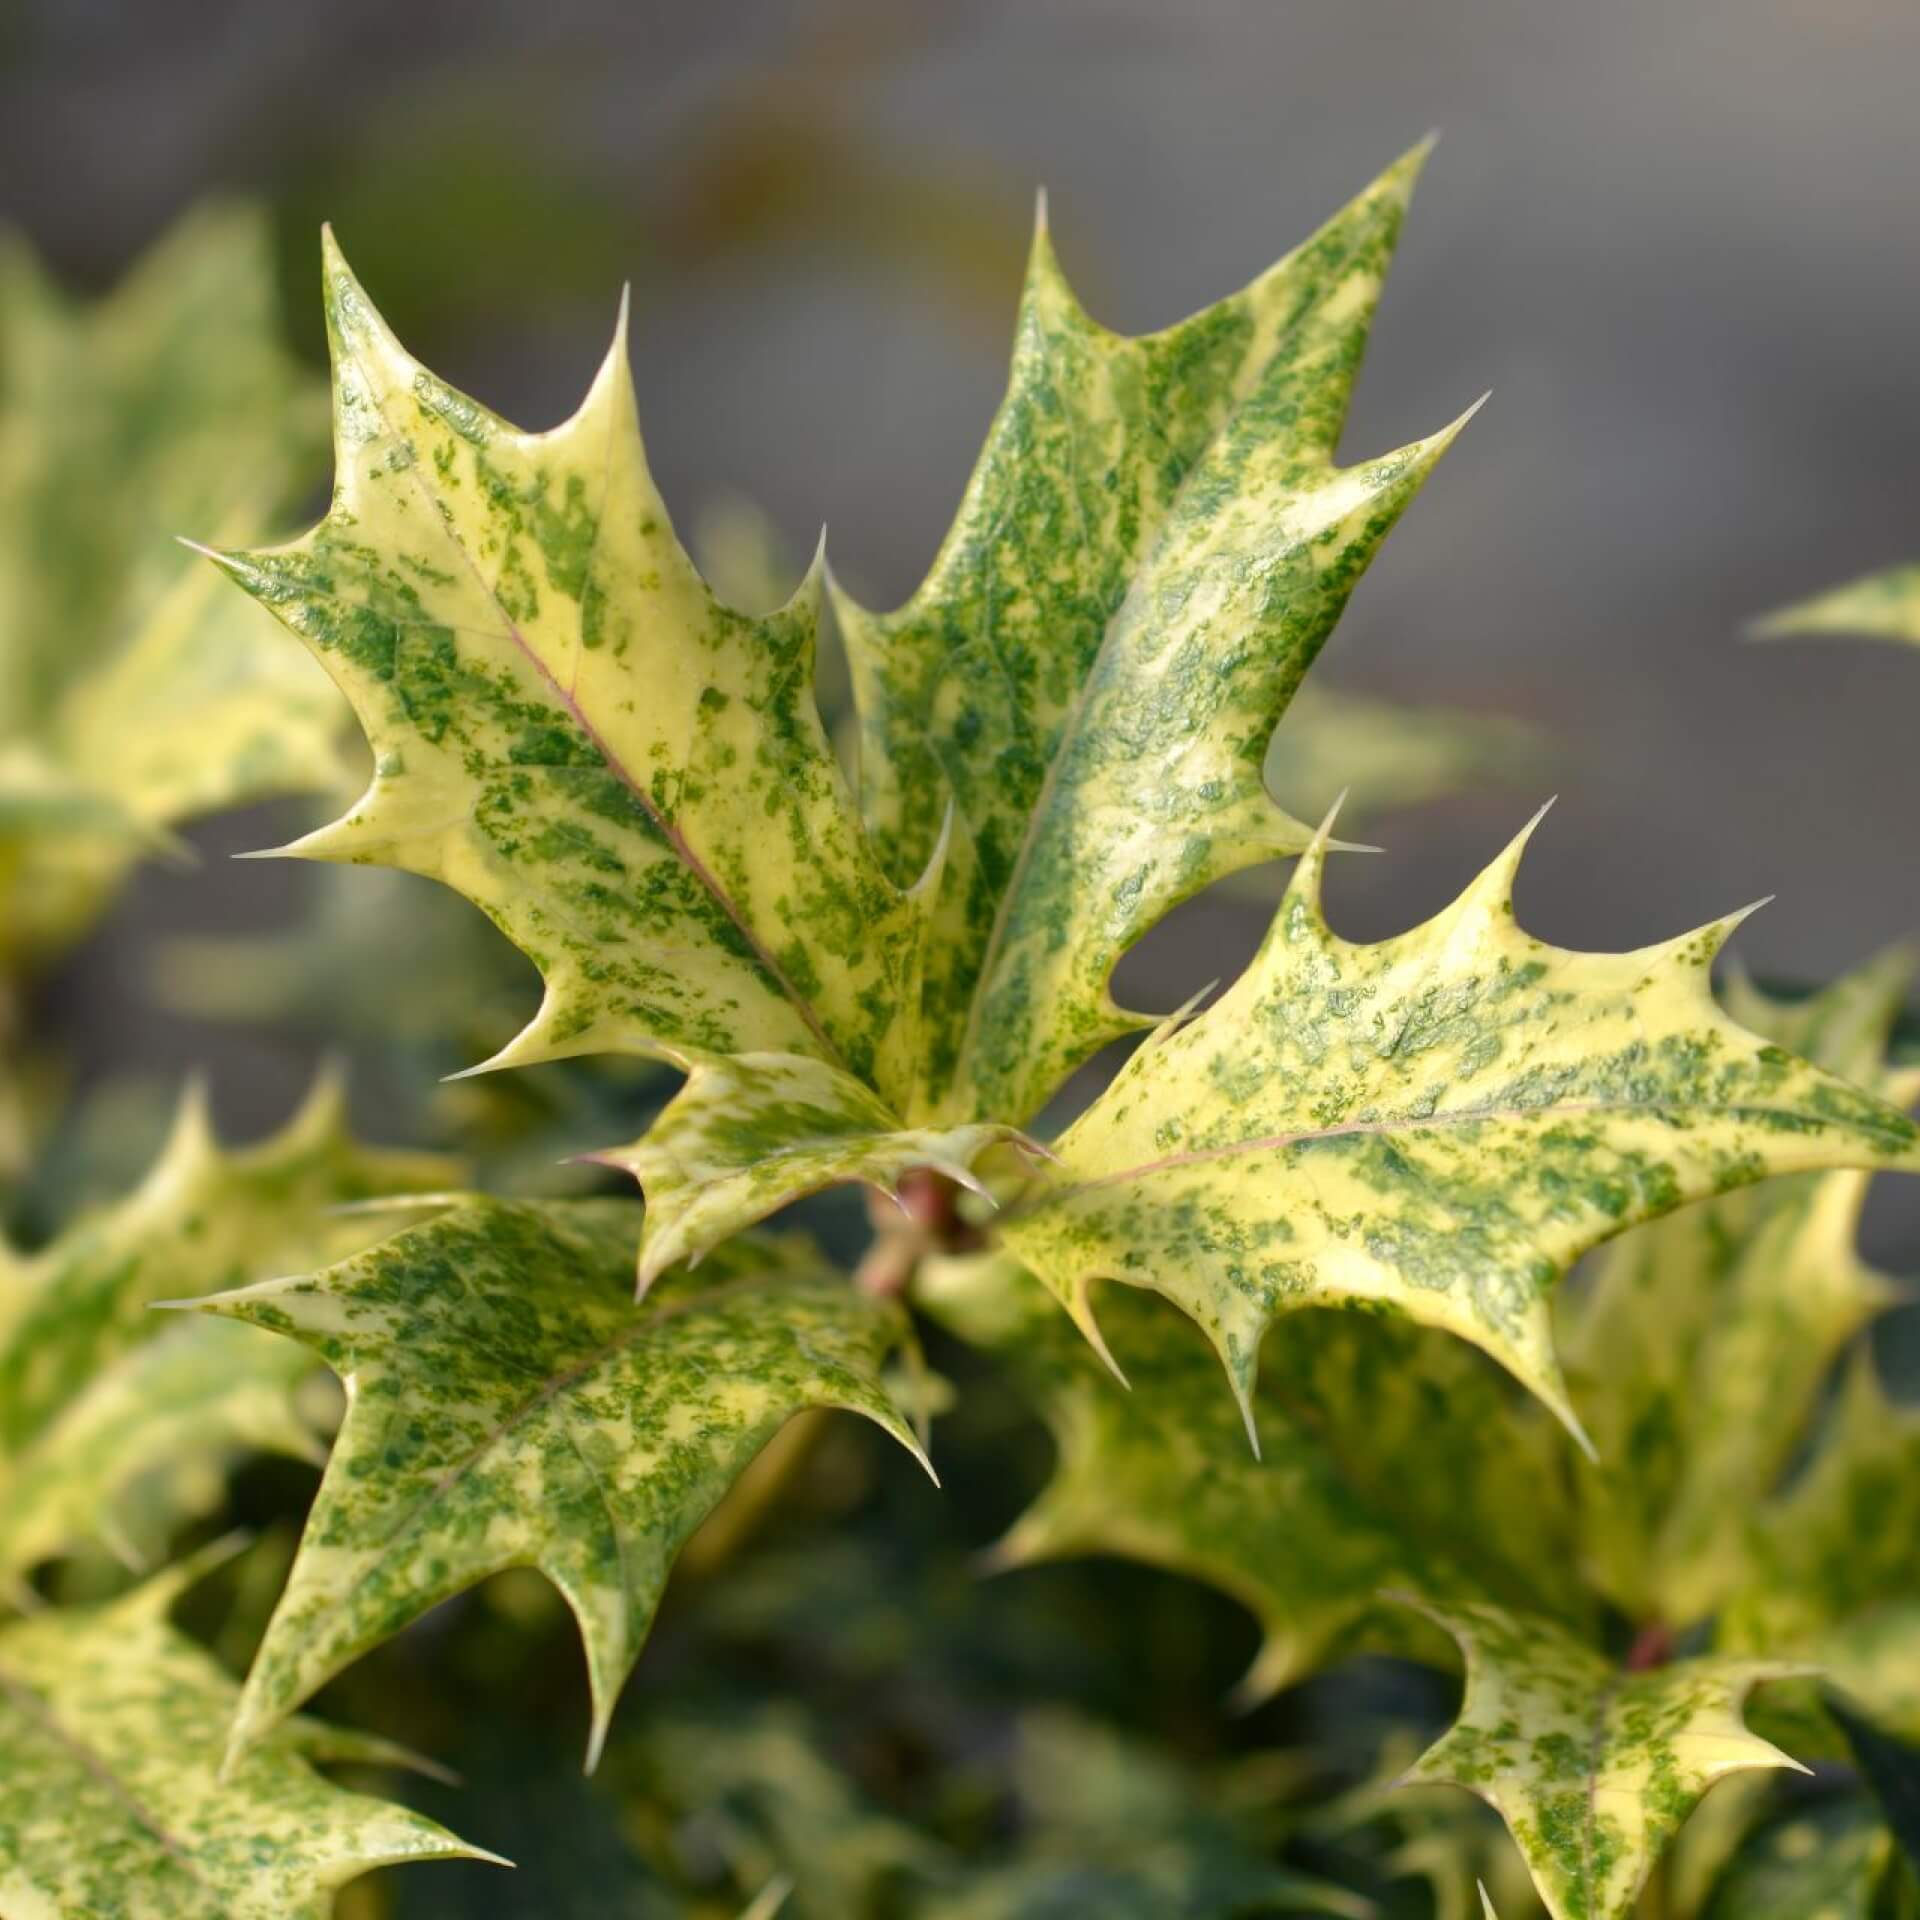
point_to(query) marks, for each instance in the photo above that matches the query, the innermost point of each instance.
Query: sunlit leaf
(1438, 1124)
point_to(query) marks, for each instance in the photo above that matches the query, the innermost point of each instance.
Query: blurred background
(1675, 238)
(1677, 242)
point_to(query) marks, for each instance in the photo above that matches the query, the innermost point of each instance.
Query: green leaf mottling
(509, 1405)
(112, 1803)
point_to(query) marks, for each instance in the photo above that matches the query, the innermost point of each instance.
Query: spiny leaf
(131, 698)
(630, 778)
(508, 1405)
(1835, 1559)
(111, 1805)
(748, 1133)
(1152, 549)
(1389, 1457)
(1699, 1348)
(633, 779)
(1883, 606)
(1439, 1123)
(1593, 1769)
(165, 1416)
(98, 1394)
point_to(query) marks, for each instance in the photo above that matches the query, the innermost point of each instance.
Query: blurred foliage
(132, 695)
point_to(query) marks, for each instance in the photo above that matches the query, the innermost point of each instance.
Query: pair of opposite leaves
(1062, 738)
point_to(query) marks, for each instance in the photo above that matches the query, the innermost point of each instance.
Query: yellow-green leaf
(1700, 1345)
(1439, 1123)
(750, 1132)
(1883, 606)
(509, 1405)
(1592, 1768)
(112, 1802)
(630, 778)
(1390, 1457)
(131, 697)
(1834, 1561)
(1152, 549)
(100, 1397)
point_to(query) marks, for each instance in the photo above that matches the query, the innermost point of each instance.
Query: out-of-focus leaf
(113, 1419)
(1386, 754)
(1835, 1559)
(1825, 1862)
(1892, 1770)
(131, 698)
(1883, 606)
(1390, 1457)
(1699, 1345)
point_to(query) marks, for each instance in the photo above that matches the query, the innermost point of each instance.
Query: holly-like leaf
(1592, 1768)
(748, 1133)
(1439, 1123)
(1152, 549)
(140, 1447)
(1883, 606)
(633, 779)
(630, 778)
(131, 697)
(1701, 1344)
(100, 1397)
(508, 1405)
(1389, 1457)
(112, 1802)
(1835, 1559)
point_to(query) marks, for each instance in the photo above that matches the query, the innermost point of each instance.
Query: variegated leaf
(1883, 606)
(1389, 1457)
(112, 1803)
(1700, 1346)
(98, 1395)
(131, 697)
(1592, 1768)
(1153, 547)
(630, 778)
(141, 1445)
(633, 780)
(751, 1131)
(508, 1405)
(1835, 1559)
(1439, 1123)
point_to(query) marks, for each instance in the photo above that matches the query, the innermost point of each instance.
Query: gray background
(1676, 238)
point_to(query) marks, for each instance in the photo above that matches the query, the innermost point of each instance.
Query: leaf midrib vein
(550, 1390)
(671, 832)
(32, 1705)
(1459, 1117)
